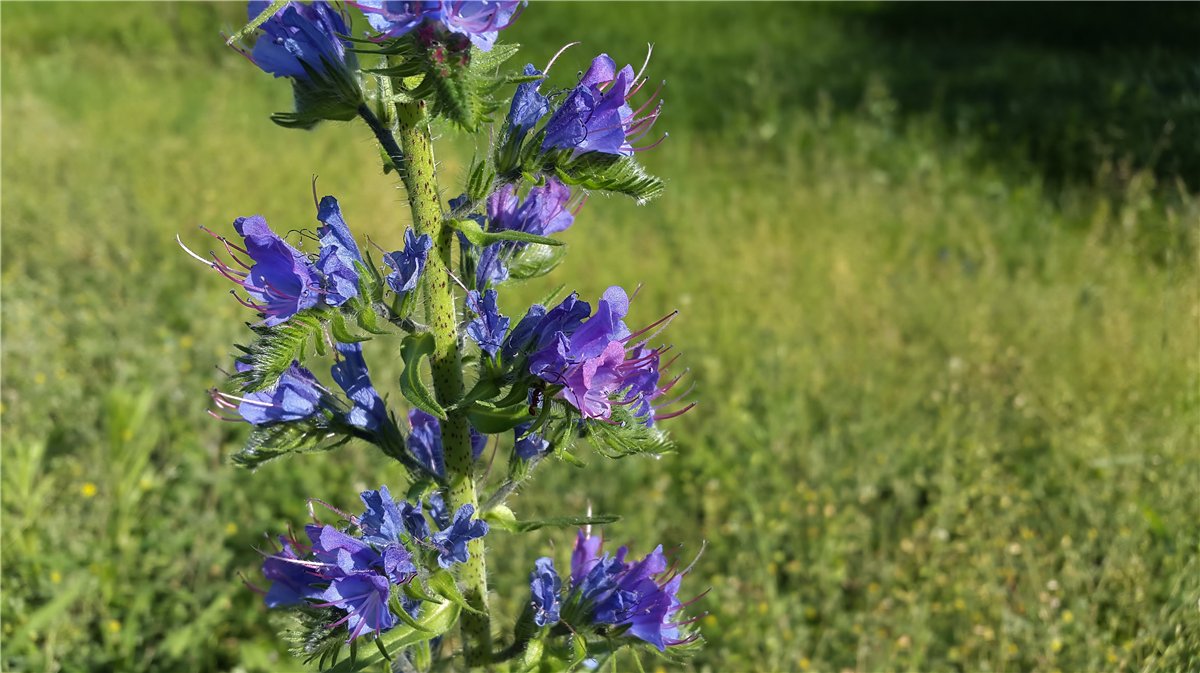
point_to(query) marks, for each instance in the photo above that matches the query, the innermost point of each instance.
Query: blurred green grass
(947, 368)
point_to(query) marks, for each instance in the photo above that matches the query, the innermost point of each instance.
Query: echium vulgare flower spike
(339, 254)
(489, 326)
(350, 372)
(425, 441)
(279, 279)
(544, 585)
(641, 594)
(408, 264)
(596, 115)
(599, 362)
(297, 395)
(478, 20)
(451, 542)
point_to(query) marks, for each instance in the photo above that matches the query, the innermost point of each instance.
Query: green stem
(446, 362)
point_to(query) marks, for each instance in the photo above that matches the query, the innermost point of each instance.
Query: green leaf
(534, 261)
(493, 420)
(578, 651)
(274, 441)
(414, 349)
(442, 583)
(435, 619)
(566, 522)
(342, 333)
(476, 234)
(276, 347)
(503, 518)
(611, 173)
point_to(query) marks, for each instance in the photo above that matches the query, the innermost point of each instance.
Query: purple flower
(596, 115)
(291, 578)
(383, 521)
(425, 441)
(641, 594)
(597, 361)
(279, 279)
(364, 597)
(543, 212)
(452, 542)
(296, 396)
(528, 444)
(479, 20)
(369, 411)
(300, 41)
(408, 264)
(525, 332)
(528, 105)
(544, 585)
(339, 254)
(489, 326)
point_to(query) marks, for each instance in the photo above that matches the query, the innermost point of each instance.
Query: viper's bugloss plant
(403, 574)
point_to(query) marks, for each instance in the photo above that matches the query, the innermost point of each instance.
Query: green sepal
(625, 435)
(533, 654)
(484, 389)
(416, 590)
(476, 234)
(402, 614)
(611, 173)
(414, 349)
(341, 332)
(442, 583)
(479, 182)
(492, 420)
(270, 355)
(578, 651)
(269, 442)
(332, 93)
(435, 620)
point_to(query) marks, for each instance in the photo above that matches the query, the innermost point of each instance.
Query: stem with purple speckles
(420, 181)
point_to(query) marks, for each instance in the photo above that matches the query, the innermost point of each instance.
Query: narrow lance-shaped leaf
(414, 349)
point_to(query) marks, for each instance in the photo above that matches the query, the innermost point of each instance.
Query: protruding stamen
(652, 146)
(649, 51)
(206, 262)
(546, 70)
(673, 414)
(661, 324)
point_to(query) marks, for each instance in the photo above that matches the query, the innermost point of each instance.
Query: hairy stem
(446, 363)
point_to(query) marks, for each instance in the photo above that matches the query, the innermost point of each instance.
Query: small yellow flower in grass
(114, 626)
(39, 378)
(1068, 616)
(710, 620)
(231, 528)
(55, 577)
(805, 664)
(185, 341)
(762, 608)
(88, 490)
(1056, 645)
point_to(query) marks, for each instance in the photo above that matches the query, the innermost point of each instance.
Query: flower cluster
(544, 211)
(353, 569)
(476, 20)
(611, 591)
(594, 116)
(280, 281)
(595, 359)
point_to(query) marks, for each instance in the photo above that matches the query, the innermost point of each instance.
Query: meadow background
(937, 268)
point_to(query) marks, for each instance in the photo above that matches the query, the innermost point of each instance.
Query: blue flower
(642, 595)
(364, 597)
(479, 20)
(543, 212)
(488, 328)
(369, 411)
(524, 333)
(528, 105)
(528, 444)
(296, 396)
(596, 361)
(593, 119)
(408, 264)
(425, 441)
(339, 254)
(291, 578)
(383, 521)
(452, 542)
(544, 585)
(281, 281)
(301, 41)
